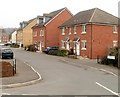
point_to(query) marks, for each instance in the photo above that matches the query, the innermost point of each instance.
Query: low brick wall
(6, 69)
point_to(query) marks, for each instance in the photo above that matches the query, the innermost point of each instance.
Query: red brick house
(90, 33)
(46, 31)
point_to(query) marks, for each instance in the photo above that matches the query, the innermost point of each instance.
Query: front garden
(113, 61)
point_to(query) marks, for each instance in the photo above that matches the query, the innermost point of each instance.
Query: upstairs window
(41, 32)
(75, 30)
(83, 29)
(63, 31)
(35, 33)
(70, 31)
(114, 29)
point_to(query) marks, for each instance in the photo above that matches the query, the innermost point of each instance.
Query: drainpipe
(45, 35)
(119, 43)
(91, 43)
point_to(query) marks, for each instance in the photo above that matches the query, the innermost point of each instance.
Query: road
(61, 78)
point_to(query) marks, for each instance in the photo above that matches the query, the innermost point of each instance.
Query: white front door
(78, 48)
(40, 46)
(67, 46)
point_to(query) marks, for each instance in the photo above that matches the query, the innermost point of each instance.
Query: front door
(40, 46)
(67, 46)
(78, 48)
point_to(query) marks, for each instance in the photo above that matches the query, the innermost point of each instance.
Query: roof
(26, 23)
(94, 15)
(51, 15)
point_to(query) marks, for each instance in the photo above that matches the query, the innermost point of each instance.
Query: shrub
(60, 52)
(14, 45)
(112, 52)
(30, 48)
(53, 52)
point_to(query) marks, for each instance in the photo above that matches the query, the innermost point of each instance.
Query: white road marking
(108, 72)
(5, 94)
(34, 70)
(107, 89)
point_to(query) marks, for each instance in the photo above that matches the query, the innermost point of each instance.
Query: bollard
(14, 66)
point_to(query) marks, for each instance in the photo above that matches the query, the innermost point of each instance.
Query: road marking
(5, 94)
(107, 89)
(34, 70)
(108, 72)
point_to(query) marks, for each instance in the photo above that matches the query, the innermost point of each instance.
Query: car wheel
(12, 57)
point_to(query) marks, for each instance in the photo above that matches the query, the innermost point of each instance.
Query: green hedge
(30, 48)
(113, 52)
(60, 52)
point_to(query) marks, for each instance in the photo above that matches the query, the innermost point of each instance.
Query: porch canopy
(76, 39)
(66, 39)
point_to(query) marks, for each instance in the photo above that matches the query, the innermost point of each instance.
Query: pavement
(25, 75)
(91, 63)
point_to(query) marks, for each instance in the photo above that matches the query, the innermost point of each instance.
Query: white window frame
(41, 32)
(63, 31)
(115, 43)
(42, 44)
(70, 29)
(83, 45)
(35, 33)
(84, 29)
(75, 29)
(62, 45)
(114, 29)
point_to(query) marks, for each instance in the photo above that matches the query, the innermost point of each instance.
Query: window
(75, 30)
(35, 33)
(41, 32)
(114, 43)
(69, 30)
(114, 29)
(63, 31)
(63, 46)
(83, 29)
(83, 44)
(42, 44)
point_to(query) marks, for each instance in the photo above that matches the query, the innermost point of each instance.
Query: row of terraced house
(90, 33)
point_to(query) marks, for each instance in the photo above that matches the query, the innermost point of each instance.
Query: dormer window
(22, 25)
(40, 20)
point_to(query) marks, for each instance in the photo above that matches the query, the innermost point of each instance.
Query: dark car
(50, 48)
(6, 53)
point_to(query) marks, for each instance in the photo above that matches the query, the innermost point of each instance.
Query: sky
(12, 12)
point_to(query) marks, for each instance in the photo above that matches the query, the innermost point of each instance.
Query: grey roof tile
(94, 15)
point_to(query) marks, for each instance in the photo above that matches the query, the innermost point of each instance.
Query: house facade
(14, 37)
(19, 37)
(27, 32)
(4, 36)
(46, 31)
(90, 33)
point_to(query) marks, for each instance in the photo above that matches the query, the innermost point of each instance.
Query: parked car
(50, 48)
(6, 53)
